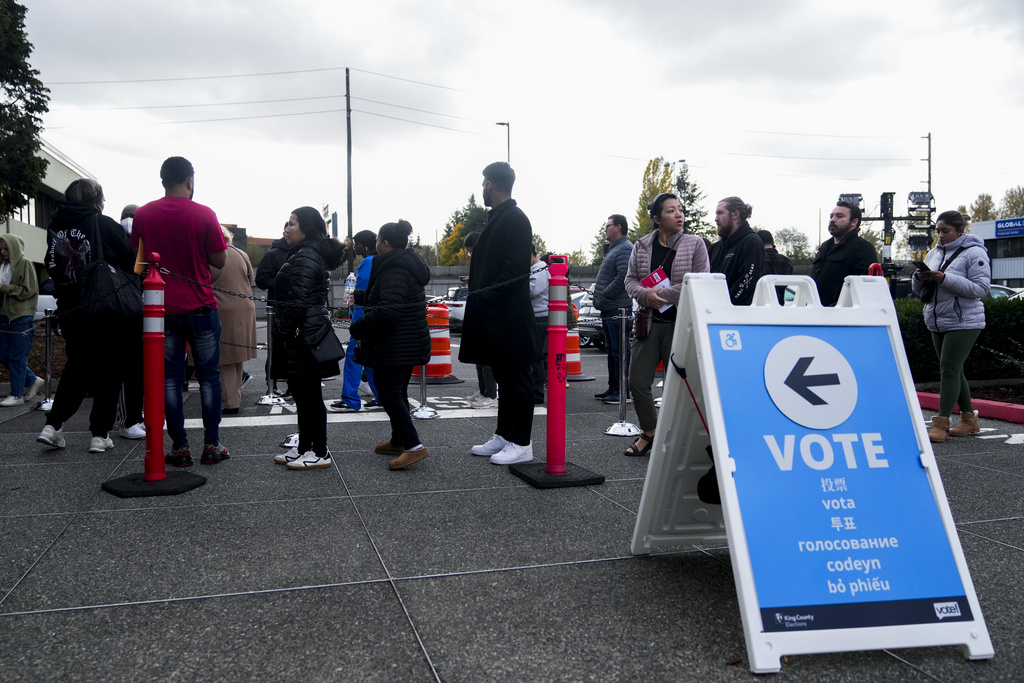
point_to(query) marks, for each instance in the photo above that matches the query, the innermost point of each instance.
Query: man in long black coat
(498, 325)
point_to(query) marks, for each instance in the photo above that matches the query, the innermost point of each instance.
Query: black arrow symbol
(801, 383)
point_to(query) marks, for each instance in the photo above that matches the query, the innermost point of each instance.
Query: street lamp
(508, 139)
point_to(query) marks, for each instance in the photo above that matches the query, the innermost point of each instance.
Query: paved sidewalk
(452, 570)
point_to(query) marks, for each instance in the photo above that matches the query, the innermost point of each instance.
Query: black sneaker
(613, 400)
(246, 378)
(214, 454)
(180, 457)
(604, 394)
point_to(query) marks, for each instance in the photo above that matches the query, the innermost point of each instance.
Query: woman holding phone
(952, 281)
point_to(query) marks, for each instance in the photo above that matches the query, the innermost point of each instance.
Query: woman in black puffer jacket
(301, 320)
(393, 335)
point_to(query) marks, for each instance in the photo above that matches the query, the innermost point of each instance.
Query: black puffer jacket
(393, 331)
(301, 316)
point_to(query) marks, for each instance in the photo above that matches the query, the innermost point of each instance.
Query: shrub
(996, 355)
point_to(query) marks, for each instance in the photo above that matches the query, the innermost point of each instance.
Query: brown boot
(940, 429)
(968, 424)
(387, 448)
(407, 458)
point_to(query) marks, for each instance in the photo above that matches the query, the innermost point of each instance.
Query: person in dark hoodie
(739, 254)
(269, 266)
(95, 359)
(301, 319)
(393, 335)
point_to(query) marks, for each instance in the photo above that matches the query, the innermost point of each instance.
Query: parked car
(1002, 292)
(455, 302)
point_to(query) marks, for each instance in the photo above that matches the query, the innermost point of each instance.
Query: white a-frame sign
(838, 527)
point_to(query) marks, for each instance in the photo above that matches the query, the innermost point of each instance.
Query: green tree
(983, 208)
(540, 244)
(794, 244)
(657, 179)
(692, 199)
(578, 258)
(875, 238)
(25, 99)
(470, 218)
(597, 245)
(1012, 205)
(426, 251)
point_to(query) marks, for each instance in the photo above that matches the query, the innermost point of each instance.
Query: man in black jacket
(498, 326)
(775, 263)
(739, 254)
(845, 253)
(609, 296)
(269, 266)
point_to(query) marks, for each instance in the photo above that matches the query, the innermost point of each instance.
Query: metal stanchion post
(271, 398)
(47, 402)
(424, 412)
(623, 428)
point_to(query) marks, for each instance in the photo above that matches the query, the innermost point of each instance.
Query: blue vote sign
(840, 519)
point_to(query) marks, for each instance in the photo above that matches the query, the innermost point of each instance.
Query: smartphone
(921, 265)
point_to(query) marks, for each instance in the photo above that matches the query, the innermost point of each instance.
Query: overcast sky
(786, 103)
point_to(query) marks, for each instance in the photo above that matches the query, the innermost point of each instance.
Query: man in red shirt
(188, 238)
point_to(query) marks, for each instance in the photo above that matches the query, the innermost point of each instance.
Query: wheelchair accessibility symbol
(730, 340)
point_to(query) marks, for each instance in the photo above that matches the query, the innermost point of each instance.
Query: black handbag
(328, 350)
(108, 292)
(928, 288)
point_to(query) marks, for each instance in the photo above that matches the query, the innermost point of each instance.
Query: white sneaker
(36, 387)
(364, 389)
(12, 401)
(484, 402)
(51, 437)
(290, 456)
(100, 444)
(474, 398)
(513, 453)
(309, 461)
(136, 431)
(494, 445)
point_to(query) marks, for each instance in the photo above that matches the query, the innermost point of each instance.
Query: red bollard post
(556, 472)
(558, 287)
(153, 370)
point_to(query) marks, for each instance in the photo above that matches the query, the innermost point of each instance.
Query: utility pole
(348, 127)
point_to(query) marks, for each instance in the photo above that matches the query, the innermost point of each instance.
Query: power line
(778, 156)
(418, 123)
(275, 101)
(301, 113)
(825, 135)
(252, 75)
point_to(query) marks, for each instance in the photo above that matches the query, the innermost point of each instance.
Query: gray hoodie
(957, 302)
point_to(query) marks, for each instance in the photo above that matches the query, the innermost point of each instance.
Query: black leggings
(392, 383)
(312, 414)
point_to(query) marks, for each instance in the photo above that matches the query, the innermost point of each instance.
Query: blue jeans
(353, 373)
(612, 329)
(15, 343)
(201, 329)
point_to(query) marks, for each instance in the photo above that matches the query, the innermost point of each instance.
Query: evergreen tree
(692, 199)
(23, 102)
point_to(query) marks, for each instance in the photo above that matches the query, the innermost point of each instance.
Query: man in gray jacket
(609, 296)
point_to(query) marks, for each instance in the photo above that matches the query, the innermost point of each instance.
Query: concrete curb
(995, 410)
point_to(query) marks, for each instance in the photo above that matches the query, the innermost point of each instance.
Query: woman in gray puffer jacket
(959, 276)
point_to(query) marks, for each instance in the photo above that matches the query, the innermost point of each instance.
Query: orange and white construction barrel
(439, 369)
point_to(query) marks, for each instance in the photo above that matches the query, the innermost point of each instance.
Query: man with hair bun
(845, 253)
(739, 254)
